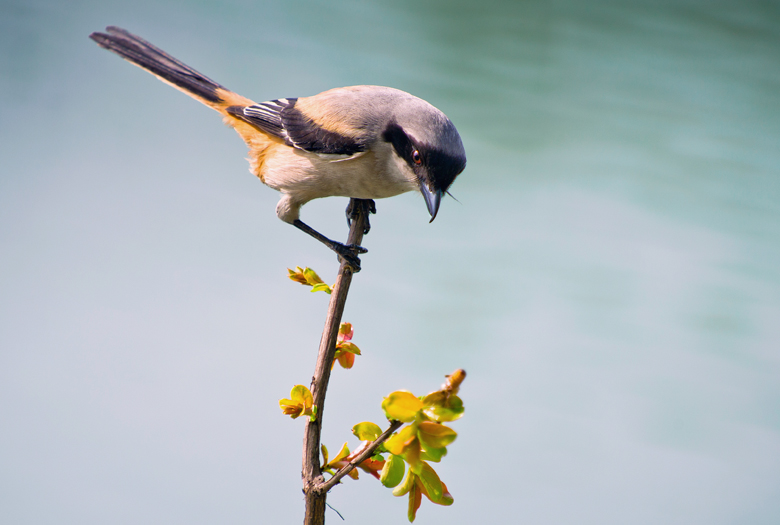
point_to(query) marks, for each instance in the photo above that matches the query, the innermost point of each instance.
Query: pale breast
(306, 176)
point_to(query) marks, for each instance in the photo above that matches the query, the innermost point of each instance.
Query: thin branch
(365, 453)
(311, 472)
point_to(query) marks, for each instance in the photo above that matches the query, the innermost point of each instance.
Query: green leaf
(451, 411)
(297, 275)
(407, 485)
(311, 277)
(344, 452)
(396, 443)
(301, 394)
(346, 331)
(433, 454)
(349, 346)
(435, 435)
(366, 431)
(446, 497)
(321, 287)
(415, 498)
(412, 456)
(402, 405)
(300, 402)
(291, 408)
(393, 471)
(431, 482)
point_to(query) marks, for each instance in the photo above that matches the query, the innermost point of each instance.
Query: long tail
(200, 87)
(168, 69)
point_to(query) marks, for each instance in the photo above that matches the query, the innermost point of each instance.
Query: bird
(363, 142)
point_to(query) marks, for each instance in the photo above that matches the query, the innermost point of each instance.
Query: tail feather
(183, 77)
(158, 62)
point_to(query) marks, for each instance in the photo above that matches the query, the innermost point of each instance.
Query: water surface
(609, 277)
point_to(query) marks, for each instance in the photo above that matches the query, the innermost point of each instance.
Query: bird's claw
(352, 211)
(348, 253)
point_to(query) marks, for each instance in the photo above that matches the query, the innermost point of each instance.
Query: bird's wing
(266, 116)
(282, 119)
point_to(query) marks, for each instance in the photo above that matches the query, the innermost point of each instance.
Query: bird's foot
(353, 211)
(348, 253)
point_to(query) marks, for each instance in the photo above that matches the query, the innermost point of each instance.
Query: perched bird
(363, 142)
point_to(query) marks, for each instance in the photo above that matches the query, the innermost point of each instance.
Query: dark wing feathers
(266, 116)
(281, 119)
(306, 134)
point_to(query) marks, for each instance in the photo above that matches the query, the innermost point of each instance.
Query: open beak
(432, 200)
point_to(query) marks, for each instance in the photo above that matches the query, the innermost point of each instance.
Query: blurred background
(610, 277)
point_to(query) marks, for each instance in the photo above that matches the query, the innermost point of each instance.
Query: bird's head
(430, 146)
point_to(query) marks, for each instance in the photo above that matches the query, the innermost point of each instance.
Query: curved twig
(357, 460)
(311, 473)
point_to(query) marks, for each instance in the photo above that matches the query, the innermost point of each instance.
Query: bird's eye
(416, 157)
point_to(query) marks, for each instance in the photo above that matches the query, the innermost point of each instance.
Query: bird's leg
(369, 208)
(348, 252)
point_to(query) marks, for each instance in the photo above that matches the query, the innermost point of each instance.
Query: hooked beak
(432, 200)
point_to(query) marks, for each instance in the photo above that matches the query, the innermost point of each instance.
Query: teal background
(610, 278)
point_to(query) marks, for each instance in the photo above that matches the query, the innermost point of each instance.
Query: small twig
(311, 472)
(367, 452)
(331, 507)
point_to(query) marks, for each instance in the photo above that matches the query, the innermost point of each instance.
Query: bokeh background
(610, 277)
